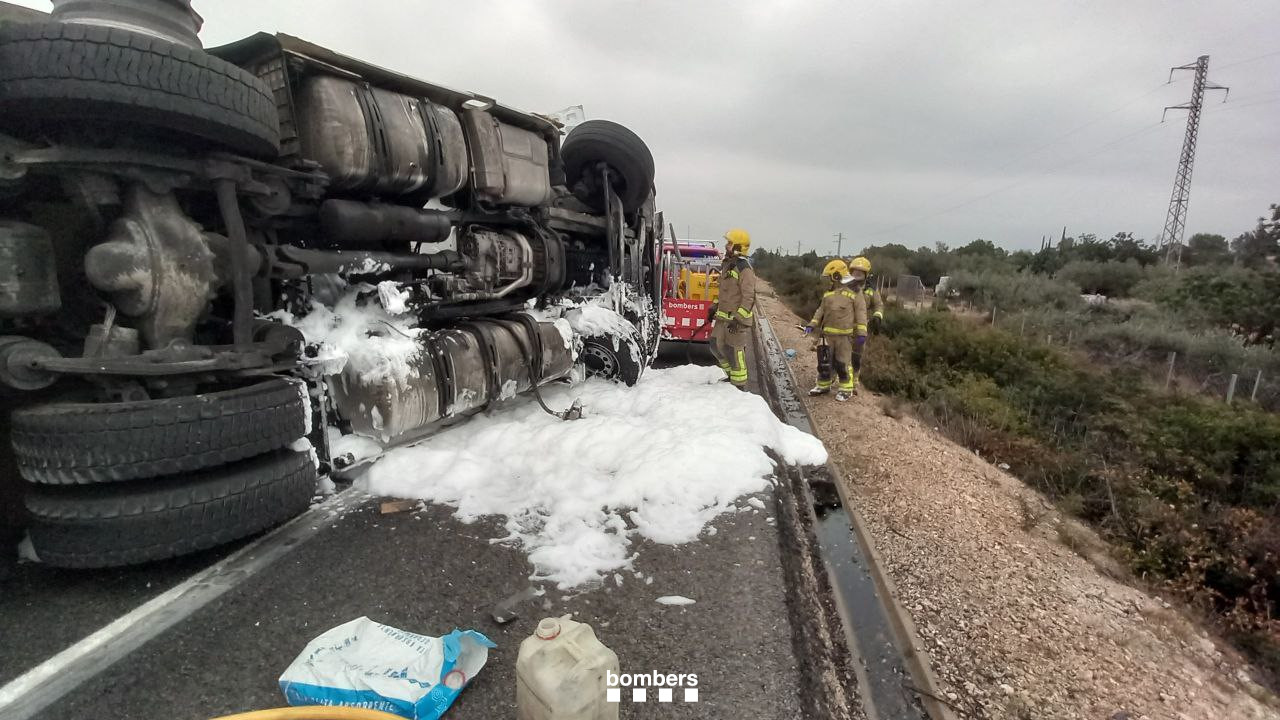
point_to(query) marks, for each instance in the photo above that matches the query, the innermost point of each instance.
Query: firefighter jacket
(737, 291)
(875, 303)
(842, 312)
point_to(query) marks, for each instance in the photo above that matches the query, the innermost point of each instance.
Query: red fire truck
(690, 284)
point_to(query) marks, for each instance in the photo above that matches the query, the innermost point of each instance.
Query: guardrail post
(1231, 389)
(1253, 397)
(1168, 378)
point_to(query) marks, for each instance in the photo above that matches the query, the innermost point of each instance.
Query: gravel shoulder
(1024, 615)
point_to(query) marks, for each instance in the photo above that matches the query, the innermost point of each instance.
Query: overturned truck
(173, 219)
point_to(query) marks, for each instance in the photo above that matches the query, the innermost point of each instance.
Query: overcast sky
(905, 121)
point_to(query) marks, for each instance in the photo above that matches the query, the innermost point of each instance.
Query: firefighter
(734, 310)
(841, 319)
(860, 269)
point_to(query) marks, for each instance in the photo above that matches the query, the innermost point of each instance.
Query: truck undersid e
(210, 258)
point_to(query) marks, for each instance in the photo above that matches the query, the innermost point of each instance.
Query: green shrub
(1014, 290)
(1113, 279)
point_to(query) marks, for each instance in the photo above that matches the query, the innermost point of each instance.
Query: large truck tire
(603, 141)
(611, 358)
(85, 74)
(77, 443)
(128, 523)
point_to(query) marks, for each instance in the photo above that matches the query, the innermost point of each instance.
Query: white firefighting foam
(659, 461)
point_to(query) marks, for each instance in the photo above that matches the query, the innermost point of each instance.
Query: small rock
(1085, 676)
(1003, 466)
(1006, 688)
(952, 696)
(1166, 697)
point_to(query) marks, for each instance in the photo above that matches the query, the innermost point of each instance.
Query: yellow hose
(313, 712)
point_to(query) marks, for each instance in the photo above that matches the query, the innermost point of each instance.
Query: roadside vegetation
(1185, 486)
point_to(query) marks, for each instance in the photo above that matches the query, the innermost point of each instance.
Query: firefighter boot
(819, 389)
(842, 395)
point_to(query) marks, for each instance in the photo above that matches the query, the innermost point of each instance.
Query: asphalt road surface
(425, 572)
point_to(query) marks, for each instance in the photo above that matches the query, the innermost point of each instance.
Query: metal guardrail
(893, 671)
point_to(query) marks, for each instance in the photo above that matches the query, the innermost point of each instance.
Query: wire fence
(1231, 381)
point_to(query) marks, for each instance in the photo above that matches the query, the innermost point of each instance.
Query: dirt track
(1018, 625)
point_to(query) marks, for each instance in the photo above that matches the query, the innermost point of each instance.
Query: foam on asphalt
(429, 574)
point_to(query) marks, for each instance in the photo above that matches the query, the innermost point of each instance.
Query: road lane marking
(46, 683)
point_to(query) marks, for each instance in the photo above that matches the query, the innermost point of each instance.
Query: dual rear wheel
(122, 483)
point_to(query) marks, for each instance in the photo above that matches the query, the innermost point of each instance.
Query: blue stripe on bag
(305, 694)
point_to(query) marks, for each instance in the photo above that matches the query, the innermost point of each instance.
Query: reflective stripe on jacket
(842, 312)
(875, 303)
(737, 291)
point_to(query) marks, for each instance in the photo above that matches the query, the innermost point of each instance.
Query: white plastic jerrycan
(560, 673)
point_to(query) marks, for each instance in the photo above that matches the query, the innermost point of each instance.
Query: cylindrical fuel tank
(459, 370)
(375, 142)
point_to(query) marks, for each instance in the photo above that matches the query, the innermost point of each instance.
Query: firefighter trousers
(730, 349)
(844, 360)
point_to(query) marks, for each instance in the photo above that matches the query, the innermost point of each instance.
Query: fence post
(993, 315)
(1253, 397)
(1231, 389)
(1023, 330)
(1168, 379)
(1069, 334)
(1048, 339)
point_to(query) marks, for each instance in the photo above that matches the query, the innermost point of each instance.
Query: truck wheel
(613, 358)
(128, 523)
(75, 73)
(602, 141)
(71, 443)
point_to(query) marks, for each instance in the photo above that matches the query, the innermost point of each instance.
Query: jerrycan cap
(548, 629)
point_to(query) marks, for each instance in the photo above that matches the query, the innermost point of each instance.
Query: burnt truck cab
(167, 213)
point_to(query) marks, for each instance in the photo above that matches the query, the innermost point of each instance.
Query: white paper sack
(366, 664)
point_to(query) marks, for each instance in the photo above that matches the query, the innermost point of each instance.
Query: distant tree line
(1231, 284)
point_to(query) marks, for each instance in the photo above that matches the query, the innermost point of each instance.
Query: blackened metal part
(293, 262)
(864, 613)
(347, 223)
(28, 273)
(241, 276)
(18, 369)
(157, 267)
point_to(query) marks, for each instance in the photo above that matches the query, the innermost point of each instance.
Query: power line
(1249, 60)
(1020, 181)
(1020, 156)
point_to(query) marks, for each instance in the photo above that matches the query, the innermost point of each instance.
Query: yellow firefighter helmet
(861, 263)
(837, 270)
(739, 240)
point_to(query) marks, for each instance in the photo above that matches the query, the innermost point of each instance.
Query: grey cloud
(798, 119)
